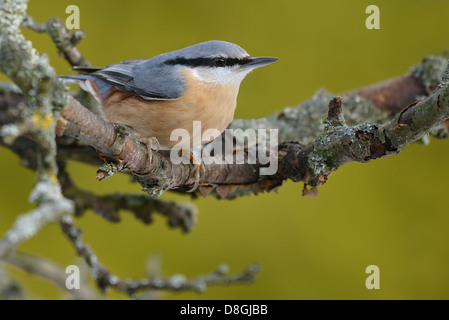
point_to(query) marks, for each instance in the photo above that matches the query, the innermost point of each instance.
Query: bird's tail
(83, 76)
(98, 88)
(75, 78)
(85, 70)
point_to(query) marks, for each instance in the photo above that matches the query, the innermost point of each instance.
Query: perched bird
(169, 91)
(172, 90)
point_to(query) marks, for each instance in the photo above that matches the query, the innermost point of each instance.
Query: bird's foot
(151, 143)
(199, 170)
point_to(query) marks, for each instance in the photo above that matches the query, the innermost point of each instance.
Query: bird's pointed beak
(259, 62)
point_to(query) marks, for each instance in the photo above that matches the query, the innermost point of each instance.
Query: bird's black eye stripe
(208, 62)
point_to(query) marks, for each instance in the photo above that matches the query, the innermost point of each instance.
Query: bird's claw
(199, 170)
(151, 143)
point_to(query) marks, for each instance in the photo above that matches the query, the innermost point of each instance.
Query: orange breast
(213, 105)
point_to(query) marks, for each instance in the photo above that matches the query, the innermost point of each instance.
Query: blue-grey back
(155, 78)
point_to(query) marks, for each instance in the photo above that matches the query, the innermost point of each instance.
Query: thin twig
(106, 279)
(52, 207)
(64, 40)
(142, 206)
(48, 270)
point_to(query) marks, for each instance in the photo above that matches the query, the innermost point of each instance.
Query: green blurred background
(390, 212)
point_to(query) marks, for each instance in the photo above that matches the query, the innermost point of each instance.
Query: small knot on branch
(106, 170)
(334, 116)
(77, 36)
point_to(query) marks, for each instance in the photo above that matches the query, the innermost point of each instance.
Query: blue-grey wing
(149, 79)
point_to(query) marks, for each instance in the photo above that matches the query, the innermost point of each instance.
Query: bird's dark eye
(220, 62)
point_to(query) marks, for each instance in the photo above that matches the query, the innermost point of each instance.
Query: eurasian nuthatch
(169, 91)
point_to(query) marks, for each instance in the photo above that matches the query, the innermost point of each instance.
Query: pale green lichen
(9, 133)
(430, 71)
(333, 148)
(109, 168)
(20, 61)
(304, 123)
(155, 190)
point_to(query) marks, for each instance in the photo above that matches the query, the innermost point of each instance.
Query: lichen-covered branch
(375, 103)
(338, 144)
(53, 206)
(64, 40)
(303, 124)
(181, 216)
(46, 96)
(105, 279)
(361, 143)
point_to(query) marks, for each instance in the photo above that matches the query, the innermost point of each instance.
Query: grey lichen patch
(54, 26)
(14, 54)
(317, 167)
(331, 125)
(21, 62)
(108, 168)
(445, 77)
(12, 13)
(45, 191)
(155, 191)
(440, 131)
(399, 135)
(430, 71)
(154, 188)
(10, 132)
(52, 207)
(360, 149)
(358, 110)
(6, 87)
(340, 145)
(322, 160)
(425, 113)
(304, 123)
(59, 95)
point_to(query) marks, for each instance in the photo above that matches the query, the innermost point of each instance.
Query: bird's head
(217, 62)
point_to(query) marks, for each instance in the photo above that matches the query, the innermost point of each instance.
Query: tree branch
(338, 145)
(49, 271)
(303, 124)
(105, 279)
(108, 206)
(52, 208)
(46, 96)
(64, 40)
